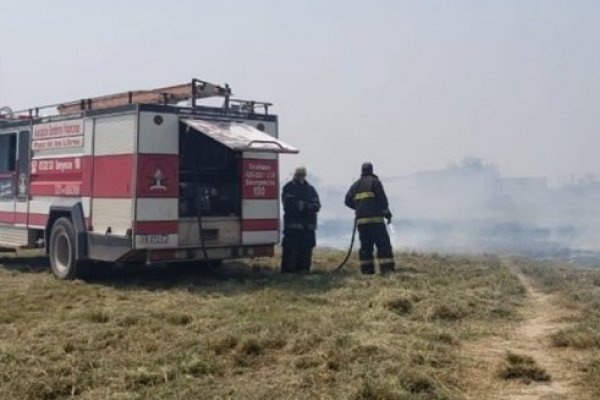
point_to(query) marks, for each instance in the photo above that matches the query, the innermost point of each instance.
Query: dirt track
(542, 317)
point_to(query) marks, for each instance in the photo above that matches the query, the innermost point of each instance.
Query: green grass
(243, 331)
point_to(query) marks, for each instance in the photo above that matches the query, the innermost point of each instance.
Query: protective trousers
(297, 250)
(375, 234)
(296, 259)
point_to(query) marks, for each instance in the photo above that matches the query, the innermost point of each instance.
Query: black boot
(387, 269)
(368, 269)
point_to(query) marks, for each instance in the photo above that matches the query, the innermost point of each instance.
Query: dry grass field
(577, 291)
(243, 331)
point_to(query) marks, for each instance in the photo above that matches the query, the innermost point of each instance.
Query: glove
(388, 216)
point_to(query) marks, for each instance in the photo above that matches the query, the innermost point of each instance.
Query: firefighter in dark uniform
(300, 206)
(367, 197)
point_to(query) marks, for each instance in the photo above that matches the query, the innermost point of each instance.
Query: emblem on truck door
(158, 180)
(158, 175)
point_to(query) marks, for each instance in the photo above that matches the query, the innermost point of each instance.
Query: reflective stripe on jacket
(369, 220)
(364, 195)
(367, 197)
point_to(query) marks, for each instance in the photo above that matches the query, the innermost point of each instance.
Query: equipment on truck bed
(140, 177)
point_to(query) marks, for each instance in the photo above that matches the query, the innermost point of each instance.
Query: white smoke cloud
(471, 207)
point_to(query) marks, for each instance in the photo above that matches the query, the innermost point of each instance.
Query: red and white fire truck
(142, 176)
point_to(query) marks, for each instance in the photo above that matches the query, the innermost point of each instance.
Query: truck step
(13, 237)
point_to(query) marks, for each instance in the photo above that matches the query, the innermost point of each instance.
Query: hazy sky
(409, 85)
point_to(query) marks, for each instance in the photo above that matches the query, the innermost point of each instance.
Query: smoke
(471, 207)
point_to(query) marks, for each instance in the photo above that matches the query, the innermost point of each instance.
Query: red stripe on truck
(38, 219)
(61, 189)
(260, 225)
(7, 217)
(61, 176)
(108, 176)
(156, 227)
(113, 176)
(86, 178)
(22, 218)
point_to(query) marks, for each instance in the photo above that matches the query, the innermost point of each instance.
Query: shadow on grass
(33, 264)
(230, 277)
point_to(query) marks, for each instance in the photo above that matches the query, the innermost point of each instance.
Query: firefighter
(300, 206)
(367, 197)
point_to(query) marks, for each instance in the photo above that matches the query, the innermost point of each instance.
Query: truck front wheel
(62, 251)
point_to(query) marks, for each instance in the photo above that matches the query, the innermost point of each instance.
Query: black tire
(63, 259)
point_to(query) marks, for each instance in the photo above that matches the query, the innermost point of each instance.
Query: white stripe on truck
(112, 213)
(260, 237)
(260, 209)
(149, 209)
(42, 204)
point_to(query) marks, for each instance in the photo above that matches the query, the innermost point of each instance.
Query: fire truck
(147, 176)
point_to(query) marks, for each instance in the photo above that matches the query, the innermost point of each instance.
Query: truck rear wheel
(62, 251)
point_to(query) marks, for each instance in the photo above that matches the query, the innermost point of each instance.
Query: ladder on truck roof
(193, 91)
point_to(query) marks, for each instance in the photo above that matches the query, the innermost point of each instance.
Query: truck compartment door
(258, 175)
(240, 137)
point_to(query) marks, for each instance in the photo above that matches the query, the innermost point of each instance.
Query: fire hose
(349, 253)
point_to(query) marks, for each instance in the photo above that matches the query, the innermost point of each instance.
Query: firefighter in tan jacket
(367, 197)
